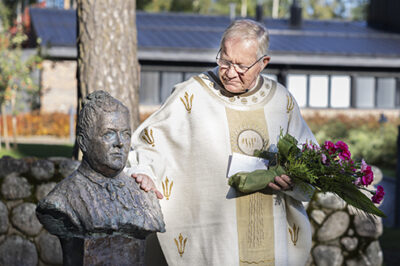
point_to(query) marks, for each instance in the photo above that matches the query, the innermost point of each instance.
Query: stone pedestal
(109, 250)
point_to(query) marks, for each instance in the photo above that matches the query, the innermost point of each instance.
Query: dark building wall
(384, 14)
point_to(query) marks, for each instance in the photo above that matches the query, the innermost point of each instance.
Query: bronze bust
(99, 199)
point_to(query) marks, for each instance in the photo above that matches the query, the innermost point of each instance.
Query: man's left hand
(282, 182)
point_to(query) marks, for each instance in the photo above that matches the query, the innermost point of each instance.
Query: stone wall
(341, 236)
(23, 241)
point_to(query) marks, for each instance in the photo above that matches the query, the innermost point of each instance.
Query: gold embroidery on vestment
(255, 229)
(254, 213)
(148, 137)
(294, 235)
(181, 244)
(187, 102)
(167, 189)
(257, 262)
(290, 103)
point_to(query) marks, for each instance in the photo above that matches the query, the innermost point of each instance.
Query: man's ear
(81, 139)
(266, 61)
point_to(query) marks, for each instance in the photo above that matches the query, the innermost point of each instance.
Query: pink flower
(379, 193)
(340, 145)
(368, 176)
(330, 147)
(364, 165)
(345, 155)
(358, 182)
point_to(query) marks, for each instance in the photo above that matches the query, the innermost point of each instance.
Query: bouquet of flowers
(328, 168)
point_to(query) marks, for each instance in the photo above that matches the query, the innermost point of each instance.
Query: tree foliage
(312, 9)
(15, 71)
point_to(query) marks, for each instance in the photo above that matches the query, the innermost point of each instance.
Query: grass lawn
(390, 244)
(38, 150)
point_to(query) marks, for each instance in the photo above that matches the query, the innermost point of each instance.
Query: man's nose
(118, 141)
(231, 72)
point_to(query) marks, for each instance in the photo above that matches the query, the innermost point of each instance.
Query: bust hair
(247, 29)
(95, 103)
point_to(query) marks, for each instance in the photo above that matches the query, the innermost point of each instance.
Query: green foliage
(11, 10)
(15, 71)
(376, 146)
(312, 9)
(367, 139)
(326, 169)
(359, 10)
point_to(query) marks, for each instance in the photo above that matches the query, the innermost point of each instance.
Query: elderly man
(98, 199)
(182, 154)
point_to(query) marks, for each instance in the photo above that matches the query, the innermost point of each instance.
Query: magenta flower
(379, 193)
(330, 147)
(345, 155)
(340, 145)
(368, 176)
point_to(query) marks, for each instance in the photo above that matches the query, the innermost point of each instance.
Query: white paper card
(244, 163)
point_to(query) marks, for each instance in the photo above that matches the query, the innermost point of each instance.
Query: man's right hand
(147, 184)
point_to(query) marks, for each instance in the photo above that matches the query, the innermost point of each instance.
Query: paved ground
(388, 204)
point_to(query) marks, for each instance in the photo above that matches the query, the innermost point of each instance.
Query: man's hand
(147, 184)
(282, 182)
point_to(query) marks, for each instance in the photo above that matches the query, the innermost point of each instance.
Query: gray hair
(96, 102)
(247, 29)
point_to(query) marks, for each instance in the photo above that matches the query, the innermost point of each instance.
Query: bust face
(108, 147)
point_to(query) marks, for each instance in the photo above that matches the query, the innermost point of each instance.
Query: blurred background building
(326, 64)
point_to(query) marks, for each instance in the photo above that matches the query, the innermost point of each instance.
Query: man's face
(108, 147)
(241, 52)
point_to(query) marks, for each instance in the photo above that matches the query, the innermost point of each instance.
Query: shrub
(366, 137)
(36, 124)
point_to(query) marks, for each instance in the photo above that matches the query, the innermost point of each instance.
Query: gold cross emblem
(294, 235)
(290, 103)
(181, 244)
(167, 188)
(148, 137)
(187, 102)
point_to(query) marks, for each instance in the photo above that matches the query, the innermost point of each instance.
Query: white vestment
(185, 147)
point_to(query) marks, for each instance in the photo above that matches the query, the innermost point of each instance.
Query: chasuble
(185, 148)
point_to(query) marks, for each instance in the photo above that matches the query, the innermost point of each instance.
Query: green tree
(324, 9)
(15, 73)
(12, 6)
(359, 10)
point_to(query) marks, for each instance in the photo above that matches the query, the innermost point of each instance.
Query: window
(297, 85)
(340, 91)
(385, 93)
(149, 87)
(318, 91)
(364, 92)
(168, 81)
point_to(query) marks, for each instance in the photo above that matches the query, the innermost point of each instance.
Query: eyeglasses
(241, 69)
